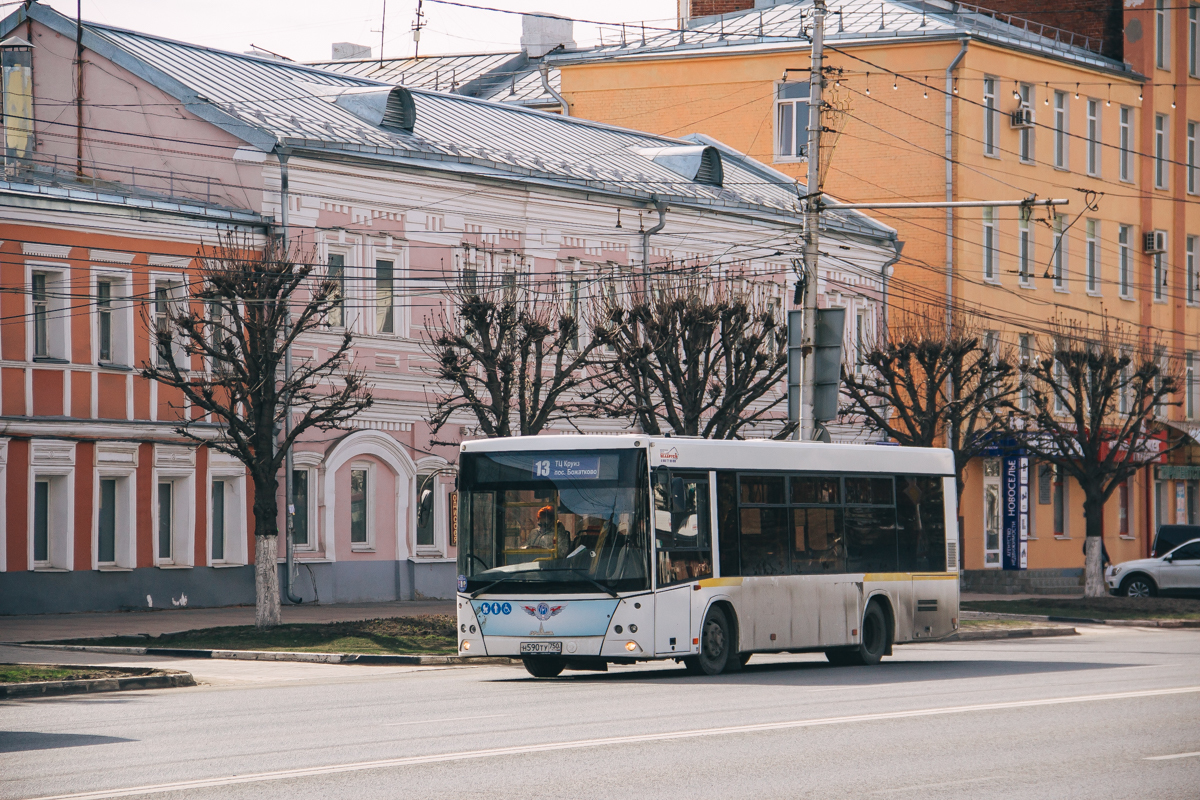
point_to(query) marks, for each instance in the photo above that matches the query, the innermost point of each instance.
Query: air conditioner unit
(1155, 242)
(1022, 117)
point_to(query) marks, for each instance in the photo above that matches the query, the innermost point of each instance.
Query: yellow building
(944, 102)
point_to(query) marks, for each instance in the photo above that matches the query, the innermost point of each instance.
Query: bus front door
(673, 620)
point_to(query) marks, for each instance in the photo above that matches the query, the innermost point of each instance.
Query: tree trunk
(1093, 547)
(266, 582)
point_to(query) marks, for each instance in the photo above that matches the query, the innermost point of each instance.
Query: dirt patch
(425, 635)
(1094, 607)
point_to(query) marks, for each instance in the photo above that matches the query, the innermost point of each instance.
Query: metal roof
(273, 103)
(502, 77)
(861, 21)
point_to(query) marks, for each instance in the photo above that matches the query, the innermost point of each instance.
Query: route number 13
(541, 469)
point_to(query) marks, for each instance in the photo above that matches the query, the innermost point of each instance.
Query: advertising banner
(1014, 507)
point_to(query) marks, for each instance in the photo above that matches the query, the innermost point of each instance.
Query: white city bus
(575, 552)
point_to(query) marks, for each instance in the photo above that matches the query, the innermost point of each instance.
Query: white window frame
(791, 106)
(441, 490)
(1193, 279)
(174, 283)
(309, 462)
(1124, 262)
(1189, 384)
(177, 466)
(1125, 144)
(1191, 158)
(1028, 97)
(990, 250)
(1092, 254)
(223, 467)
(991, 556)
(1062, 155)
(1161, 131)
(1193, 41)
(1162, 35)
(53, 461)
(390, 307)
(1159, 276)
(991, 118)
(1025, 357)
(343, 308)
(120, 312)
(1060, 260)
(1093, 137)
(369, 545)
(58, 312)
(1025, 252)
(117, 461)
(1060, 376)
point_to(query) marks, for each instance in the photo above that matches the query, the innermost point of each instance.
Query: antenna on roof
(416, 29)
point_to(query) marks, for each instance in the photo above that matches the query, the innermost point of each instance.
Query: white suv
(1177, 571)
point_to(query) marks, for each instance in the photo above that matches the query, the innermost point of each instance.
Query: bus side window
(921, 523)
(681, 527)
(870, 525)
(727, 523)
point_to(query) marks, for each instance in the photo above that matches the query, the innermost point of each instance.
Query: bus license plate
(541, 648)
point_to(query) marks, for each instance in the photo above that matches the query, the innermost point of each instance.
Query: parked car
(1171, 536)
(1177, 572)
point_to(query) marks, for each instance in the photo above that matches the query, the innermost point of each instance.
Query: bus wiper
(478, 592)
(586, 577)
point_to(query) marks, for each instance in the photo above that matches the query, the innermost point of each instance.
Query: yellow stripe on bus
(708, 582)
(904, 576)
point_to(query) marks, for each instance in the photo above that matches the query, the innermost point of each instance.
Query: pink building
(400, 193)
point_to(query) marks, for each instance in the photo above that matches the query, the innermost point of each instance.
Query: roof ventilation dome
(389, 107)
(699, 163)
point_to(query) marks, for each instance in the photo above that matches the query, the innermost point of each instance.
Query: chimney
(348, 51)
(16, 62)
(541, 33)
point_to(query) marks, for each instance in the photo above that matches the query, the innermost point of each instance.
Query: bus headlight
(466, 646)
(631, 646)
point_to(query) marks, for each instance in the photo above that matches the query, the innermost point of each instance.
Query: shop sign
(1014, 501)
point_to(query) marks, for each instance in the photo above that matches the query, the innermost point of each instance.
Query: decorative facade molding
(111, 257)
(117, 454)
(174, 457)
(52, 453)
(177, 262)
(46, 250)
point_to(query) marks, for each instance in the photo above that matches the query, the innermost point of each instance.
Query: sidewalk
(89, 625)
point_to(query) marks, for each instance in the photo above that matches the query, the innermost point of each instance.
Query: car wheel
(872, 646)
(1138, 586)
(715, 644)
(542, 667)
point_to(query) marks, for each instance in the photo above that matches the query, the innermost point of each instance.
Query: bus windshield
(559, 521)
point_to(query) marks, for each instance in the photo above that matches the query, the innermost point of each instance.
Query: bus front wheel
(542, 667)
(872, 645)
(715, 645)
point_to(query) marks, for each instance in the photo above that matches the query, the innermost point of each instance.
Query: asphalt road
(1091, 716)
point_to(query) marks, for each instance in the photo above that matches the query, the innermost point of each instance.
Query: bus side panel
(805, 596)
(935, 598)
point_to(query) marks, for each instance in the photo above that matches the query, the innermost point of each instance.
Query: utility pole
(812, 219)
(420, 23)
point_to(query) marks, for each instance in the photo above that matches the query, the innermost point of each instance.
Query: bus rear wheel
(715, 645)
(872, 645)
(542, 667)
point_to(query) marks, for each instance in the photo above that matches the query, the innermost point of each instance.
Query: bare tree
(508, 347)
(222, 345)
(926, 386)
(694, 357)
(1094, 400)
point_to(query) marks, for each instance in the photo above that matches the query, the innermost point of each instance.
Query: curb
(272, 655)
(158, 679)
(1020, 633)
(1128, 623)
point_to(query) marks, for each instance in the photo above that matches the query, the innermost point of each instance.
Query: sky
(304, 30)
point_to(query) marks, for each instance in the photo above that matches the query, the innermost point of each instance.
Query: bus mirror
(678, 496)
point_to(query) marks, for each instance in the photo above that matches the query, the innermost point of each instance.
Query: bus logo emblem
(543, 612)
(670, 454)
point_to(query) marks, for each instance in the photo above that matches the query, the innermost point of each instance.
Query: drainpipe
(288, 489)
(544, 71)
(661, 207)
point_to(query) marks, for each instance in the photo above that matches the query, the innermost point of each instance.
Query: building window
(1193, 279)
(1191, 158)
(791, 120)
(991, 512)
(1189, 379)
(1125, 150)
(1162, 35)
(41, 316)
(1123, 508)
(1026, 92)
(166, 492)
(300, 508)
(1160, 278)
(1093, 137)
(218, 521)
(1123, 260)
(49, 314)
(1093, 256)
(358, 506)
(166, 294)
(1160, 151)
(1193, 33)
(1060, 504)
(1060, 379)
(336, 275)
(989, 244)
(104, 321)
(1060, 252)
(106, 522)
(41, 524)
(427, 501)
(1026, 355)
(1024, 251)
(385, 311)
(860, 341)
(990, 119)
(1060, 130)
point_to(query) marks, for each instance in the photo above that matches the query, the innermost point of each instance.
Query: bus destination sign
(578, 468)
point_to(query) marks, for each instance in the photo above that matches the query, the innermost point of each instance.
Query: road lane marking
(447, 719)
(1168, 758)
(940, 785)
(358, 766)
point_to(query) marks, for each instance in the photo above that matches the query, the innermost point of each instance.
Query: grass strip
(1093, 607)
(27, 673)
(425, 635)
